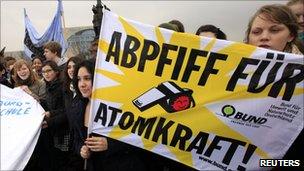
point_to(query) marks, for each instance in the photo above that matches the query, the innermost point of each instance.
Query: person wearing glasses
(55, 121)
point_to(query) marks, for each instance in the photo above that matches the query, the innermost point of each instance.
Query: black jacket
(54, 103)
(5, 82)
(119, 156)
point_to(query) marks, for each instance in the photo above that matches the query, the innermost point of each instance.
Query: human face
(48, 73)
(70, 70)
(23, 72)
(37, 64)
(84, 82)
(208, 34)
(49, 55)
(267, 34)
(298, 10)
(94, 48)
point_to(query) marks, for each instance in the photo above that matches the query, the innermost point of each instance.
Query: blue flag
(33, 42)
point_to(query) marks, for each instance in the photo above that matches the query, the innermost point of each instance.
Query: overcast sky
(231, 16)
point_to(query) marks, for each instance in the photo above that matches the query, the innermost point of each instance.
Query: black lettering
(191, 63)
(238, 73)
(178, 137)
(144, 124)
(163, 58)
(144, 53)
(179, 63)
(162, 130)
(131, 45)
(254, 82)
(122, 122)
(209, 67)
(213, 146)
(231, 151)
(102, 109)
(115, 111)
(202, 138)
(115, 43)
(238, 115)
(262, 120)
(289, 80)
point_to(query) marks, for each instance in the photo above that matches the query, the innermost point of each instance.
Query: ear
(290, 38)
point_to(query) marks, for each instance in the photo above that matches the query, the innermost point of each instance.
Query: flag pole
(63, 21)
(62, 14)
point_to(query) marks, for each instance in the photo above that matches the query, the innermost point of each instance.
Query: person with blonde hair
(25, 78)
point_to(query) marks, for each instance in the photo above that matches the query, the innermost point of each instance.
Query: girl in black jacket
(55, 121)
(75, 162)
(102, 153)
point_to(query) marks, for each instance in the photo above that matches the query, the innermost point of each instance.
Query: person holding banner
(275, 27)
(27, 79)
(102, 153)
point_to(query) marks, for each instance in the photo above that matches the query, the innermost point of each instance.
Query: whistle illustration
(168, 95)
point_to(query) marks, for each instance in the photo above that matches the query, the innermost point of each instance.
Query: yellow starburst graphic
(132, 83)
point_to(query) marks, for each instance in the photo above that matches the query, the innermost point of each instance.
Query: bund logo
(230, 112)
(168, 95)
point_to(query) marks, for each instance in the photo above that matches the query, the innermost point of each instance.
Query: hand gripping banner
(210, 104)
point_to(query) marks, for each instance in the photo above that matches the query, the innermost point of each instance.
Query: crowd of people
(64, 91)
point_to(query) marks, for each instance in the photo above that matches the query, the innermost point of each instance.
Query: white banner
(21, 118)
